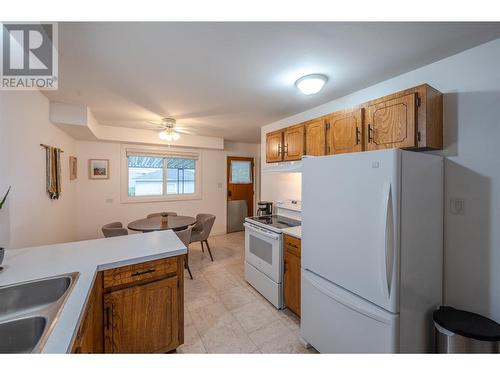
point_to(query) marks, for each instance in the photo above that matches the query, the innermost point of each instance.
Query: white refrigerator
(372, 251)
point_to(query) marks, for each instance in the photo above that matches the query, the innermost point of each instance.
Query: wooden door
(345, 132)
(274, 147)
(291, 282)
(391, 123)
(316, 138)
(143, 318)
(294, 143)
(240, 189)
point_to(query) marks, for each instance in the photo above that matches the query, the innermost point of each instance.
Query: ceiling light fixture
(311, 84)
(169, 135)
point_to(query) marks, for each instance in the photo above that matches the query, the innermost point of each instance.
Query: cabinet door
(84, 342)
(293, 143)
(316, 138)
(291, 282)
(345, 132)
(143, 318)
(274, 147)
(391, 123)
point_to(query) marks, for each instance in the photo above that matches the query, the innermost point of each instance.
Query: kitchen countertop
(293, 231)
(87, 258)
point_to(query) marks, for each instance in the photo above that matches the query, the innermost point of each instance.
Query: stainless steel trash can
(459, 331)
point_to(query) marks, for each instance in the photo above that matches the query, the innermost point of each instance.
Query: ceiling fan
(169, 129)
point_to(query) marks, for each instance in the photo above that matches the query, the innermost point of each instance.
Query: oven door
(263, 251)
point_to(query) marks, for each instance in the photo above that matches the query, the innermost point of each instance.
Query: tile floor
(224, 314)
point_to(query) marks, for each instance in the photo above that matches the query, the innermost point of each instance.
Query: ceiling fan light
(311, 84)
(163, 135)
(175, 136)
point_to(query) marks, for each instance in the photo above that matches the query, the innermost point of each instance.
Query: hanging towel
(53, 170)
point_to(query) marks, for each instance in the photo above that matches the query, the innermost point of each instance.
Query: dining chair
(185, 237)
(114, 230)
(202, 229)
(156, 214)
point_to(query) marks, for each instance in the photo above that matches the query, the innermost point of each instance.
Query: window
(161, 176)
(241, 172)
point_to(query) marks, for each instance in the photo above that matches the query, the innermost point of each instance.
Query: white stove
(264, 254)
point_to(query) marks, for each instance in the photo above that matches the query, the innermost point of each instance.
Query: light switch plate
(457, 206)
(109, 200)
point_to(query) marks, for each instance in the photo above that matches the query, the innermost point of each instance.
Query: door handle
(388, 240)
(229, 193)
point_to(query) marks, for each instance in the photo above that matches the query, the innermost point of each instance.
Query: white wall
(470, 82)
(31, 217)
(99, 200)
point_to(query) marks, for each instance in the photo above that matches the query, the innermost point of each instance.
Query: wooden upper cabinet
(143, 318)
(274, 147)
(293, 143)
(412, 119)
(345, 129)
(391, 123)
(316, 137)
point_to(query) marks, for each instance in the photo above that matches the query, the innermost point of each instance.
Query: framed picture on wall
(73, 168)
(98, 169)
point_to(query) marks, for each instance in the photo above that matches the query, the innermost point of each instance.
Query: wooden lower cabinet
(142, 319)
(292, 272)
(135, 309)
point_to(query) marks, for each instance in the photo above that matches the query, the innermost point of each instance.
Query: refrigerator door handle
(387, 261)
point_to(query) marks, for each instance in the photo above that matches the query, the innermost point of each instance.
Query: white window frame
(165, 153)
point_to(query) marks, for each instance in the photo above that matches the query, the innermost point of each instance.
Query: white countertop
(85, 257)
(293, 231)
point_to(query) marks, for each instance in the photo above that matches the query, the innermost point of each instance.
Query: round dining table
(155, 223)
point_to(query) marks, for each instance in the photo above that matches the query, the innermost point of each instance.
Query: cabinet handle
(139, 273)
(370, 133)
(286, 149)
(279, 149)
(357, 135)
(292, 245)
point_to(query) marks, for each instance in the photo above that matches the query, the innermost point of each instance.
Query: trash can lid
(467, 324)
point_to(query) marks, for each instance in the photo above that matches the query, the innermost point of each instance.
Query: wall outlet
(109, 200)
(457, 206)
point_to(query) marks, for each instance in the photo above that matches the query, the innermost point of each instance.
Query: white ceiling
(229, 79)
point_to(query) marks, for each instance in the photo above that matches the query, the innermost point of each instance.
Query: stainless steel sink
(29, 310)
(22, 335)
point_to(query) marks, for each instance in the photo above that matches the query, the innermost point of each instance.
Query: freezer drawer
(336, 321)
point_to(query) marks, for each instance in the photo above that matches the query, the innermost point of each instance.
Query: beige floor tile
(254, 316)
(291, 320)
(227, 337)
(209, 316)
(237, 297)
(269, 332)
(288, 343)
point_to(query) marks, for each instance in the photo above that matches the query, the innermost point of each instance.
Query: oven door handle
(261, 231)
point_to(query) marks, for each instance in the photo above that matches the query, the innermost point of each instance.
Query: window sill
(160, 198)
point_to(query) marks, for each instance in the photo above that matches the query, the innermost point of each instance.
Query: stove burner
(276, 221)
